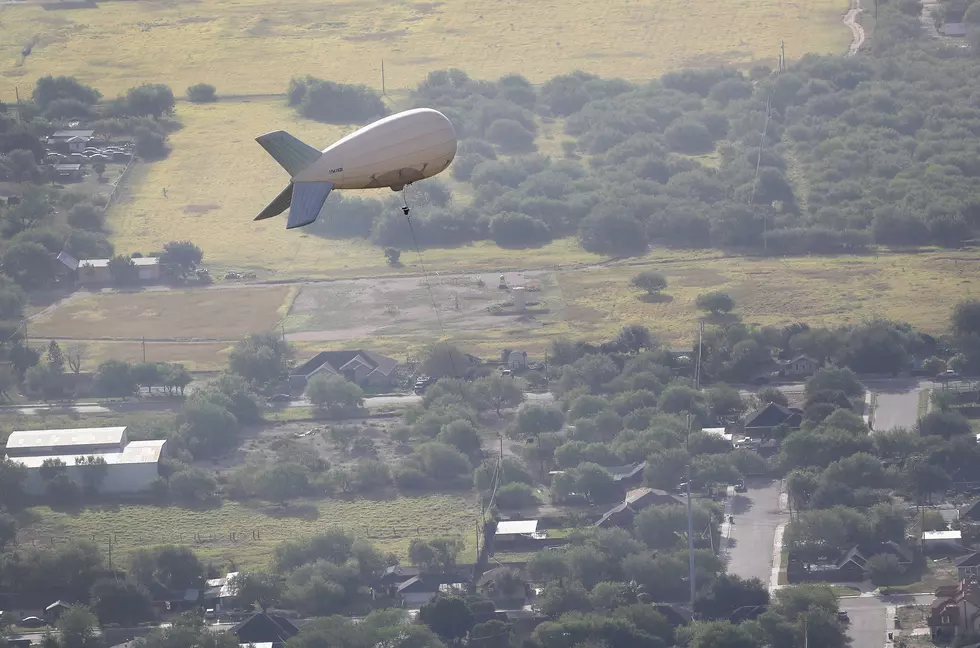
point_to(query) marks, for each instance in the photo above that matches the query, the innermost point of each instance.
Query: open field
(395, 315)
(390, 525)
(255, 46)
(216, 314)
(217, 178)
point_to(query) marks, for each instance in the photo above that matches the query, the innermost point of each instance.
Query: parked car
(740, 487)
(949, 374)
(842, 617)
(32, 622)
(280, 398)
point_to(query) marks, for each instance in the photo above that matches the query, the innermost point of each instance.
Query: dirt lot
(407, 307)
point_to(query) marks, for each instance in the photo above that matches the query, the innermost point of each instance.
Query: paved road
(752, 538)
(159, 406)
(897, 401)
(872, 617)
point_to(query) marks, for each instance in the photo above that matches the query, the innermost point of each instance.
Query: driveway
(872, 617)
(897, 401)
(752, 538)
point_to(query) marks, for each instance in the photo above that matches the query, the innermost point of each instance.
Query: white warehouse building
(132, 465)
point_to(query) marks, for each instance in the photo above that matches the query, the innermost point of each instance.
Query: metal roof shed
(516, 527)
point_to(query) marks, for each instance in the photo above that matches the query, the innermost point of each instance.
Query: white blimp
(391, 152)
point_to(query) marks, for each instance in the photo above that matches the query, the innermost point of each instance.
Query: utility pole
(782, 55)
(690, 519)
(110, 552)
(143, 342)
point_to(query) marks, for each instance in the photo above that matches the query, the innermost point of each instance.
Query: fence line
(119, 183)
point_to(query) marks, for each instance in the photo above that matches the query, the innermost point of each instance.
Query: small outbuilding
(941, 540)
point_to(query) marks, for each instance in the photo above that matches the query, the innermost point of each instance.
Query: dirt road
(857, 31)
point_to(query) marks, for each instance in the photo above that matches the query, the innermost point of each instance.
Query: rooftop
(135, 452)
(102, 436)
(942, 535)
(68, 134)
(516, 527)
(104, 263)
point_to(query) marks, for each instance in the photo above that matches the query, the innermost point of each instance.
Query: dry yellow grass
(255, 46)
(390, 524)
(215, 314)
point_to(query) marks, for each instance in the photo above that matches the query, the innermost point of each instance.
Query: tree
(635, 338)
(261, 358)
(49, 88)
(23, 166)
(12, 300)
(513, 230)
(334, 393)
(175, 568)
(29, 264)
(612, 233)
(282, 482)
(150, 144)
(8, 533)
(99, 168)
(124, 271)
(202, 93)
(834, 379)
(121, 601)
(192, 485)
(153, 99)
(720, 634)
(207, 429)
(94, 471)
(768, 395)
(500, 391)
(463, 436)
(445, 360)
(12, 477)
(115, 378)
(181, 257)
(728, 593)
(86, 216)
(77, 628)
(947, 424)
(725, 402)
(447, 616)
(8, 381)
(716, 302)
(393, 257)
(257, 587)
(650, 281)
(437, 555)
(534, 419)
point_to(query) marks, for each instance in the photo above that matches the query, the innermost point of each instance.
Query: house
(513, 532)
(623, 514)
(799, 367)
(221, 592)
(629, 475)
(167, 600)
(955, 609)
(850, 567)
(396, 575)
(416, 592)
(366, 368)
(721, 433)
(517, 360)
(968, 566)
(505, 587)
(68, 172)
(941, 540)
(676, 615)
(747, 613)
(953, 29)
(54, 611)
(265, 628)
(70, 141)
(131, 466)
(763, 421)
(95, 272)
(970, 512)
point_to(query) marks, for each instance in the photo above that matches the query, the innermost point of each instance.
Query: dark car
(740, 487)
(280, 398)
(842, 617)
(31, 622)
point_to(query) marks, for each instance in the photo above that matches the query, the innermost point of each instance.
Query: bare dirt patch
(419, 306)
(200, 209)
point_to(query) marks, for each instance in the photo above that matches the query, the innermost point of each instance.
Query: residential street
(751, 544)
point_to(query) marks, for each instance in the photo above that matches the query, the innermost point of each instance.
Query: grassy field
(389, 524)
(255, 46)
(579, 302)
